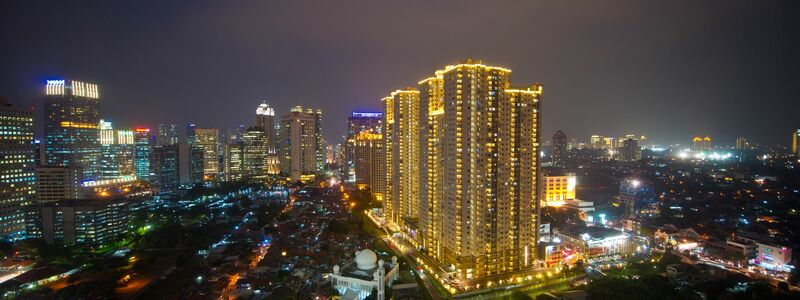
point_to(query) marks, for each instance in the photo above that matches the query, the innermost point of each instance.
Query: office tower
(637, 198)
(208, 140)
(17, 168)
(165, 168)
(476, 158)
(742, 144)
(167, 134)
(630, 150)
(255, 147)
(79, 222)
(55, 183)
(301, 142)
(596, 141)
(359, 122)
(796, 142)
(191, 135)
(558, 187)
(559, 148)
(190, 163)
(234, 161)
(368, 161)
(609, 143)
(402, 142)
(116, 152)
(141, 160)
(265, 118)
(72, 113)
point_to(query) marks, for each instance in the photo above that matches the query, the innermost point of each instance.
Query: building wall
(301, 142)
(72, 115)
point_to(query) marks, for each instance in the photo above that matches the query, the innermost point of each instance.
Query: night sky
(668, 69)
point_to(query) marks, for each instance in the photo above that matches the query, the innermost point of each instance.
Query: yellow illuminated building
(401, 140)
(558, 188)
(465, 145)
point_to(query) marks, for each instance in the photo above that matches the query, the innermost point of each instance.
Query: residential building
(559, 149)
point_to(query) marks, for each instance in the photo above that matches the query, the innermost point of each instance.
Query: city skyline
(175, 67)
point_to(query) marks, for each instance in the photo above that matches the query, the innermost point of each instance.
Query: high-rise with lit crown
(17, 169)
(72, 115)
(468, 143)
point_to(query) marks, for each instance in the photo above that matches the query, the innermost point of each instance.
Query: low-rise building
(78, 222)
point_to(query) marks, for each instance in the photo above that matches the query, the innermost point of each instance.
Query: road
(425, 279)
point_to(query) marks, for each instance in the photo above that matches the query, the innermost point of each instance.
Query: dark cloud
(666, 69)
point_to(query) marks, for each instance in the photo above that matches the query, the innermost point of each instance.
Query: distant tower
(559, 148)
(265, 118)
(796, 142)
(742, 144)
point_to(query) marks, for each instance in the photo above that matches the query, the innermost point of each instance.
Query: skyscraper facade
(638, 198)
(368, 162)
(165, 168)
(17, 169)
(359, 122)
(208, 139)
(254, 152)
(265, 118)
(116, 152)
(742, 144)
(72, 115)
(301, 147)
(167, 134)
(401, 133)
(472, 143)
(796, 142)
(141, 160)
(559, 148)
(630, 150)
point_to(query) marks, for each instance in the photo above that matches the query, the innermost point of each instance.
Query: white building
(357, 280)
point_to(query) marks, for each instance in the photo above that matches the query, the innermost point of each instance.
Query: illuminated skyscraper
(359, 122)
(596, 141)
(301, 147)
(141, 161)
(472, 143)
(401, 134)
(116, 152)
(265, 118)
(72, 115)
(208, 139)
(165, 168)
(368, 161)
(254, 151)
(559, 148)
(17, 169)
(233, 161)
(796, 142)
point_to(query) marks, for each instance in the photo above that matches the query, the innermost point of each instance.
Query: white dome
(366, 259)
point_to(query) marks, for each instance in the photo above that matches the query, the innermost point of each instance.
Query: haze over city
(667, 70)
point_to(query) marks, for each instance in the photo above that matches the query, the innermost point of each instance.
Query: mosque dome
(366, 259)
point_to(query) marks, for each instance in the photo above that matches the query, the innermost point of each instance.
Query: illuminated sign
(367, 114)
(142, 129)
